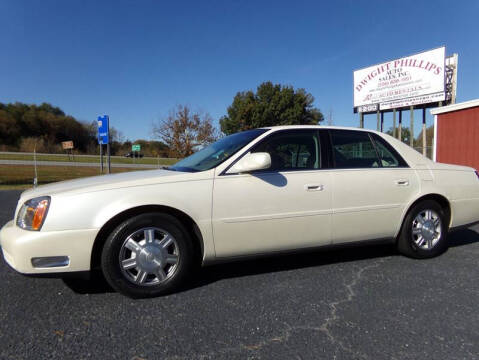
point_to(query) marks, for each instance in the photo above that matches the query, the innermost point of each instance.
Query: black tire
(406, 244)
(121, 281)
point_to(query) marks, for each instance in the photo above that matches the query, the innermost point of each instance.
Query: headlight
(32, 214)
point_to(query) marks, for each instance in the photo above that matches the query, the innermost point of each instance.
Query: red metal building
(456, 134)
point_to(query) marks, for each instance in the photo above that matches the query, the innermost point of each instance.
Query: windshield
(214, 154)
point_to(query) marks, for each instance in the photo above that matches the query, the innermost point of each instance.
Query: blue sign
(103, 129)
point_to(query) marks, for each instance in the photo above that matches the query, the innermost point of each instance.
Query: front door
(287, 206)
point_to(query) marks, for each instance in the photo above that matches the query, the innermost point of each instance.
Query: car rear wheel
(424, 231)
(148, 255)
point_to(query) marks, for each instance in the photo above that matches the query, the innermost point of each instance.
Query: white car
(256, 192)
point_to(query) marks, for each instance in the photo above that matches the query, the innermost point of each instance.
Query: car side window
(292, 150)
(353, 149)
(389, 157)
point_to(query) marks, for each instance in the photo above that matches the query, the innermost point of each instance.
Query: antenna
(35, 179)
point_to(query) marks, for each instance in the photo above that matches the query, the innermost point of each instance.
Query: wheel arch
(186, 220)
(440, 199)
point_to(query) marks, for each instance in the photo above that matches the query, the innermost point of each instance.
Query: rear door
(372, 185)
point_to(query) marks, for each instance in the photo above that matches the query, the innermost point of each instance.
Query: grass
(21, 176)
(88, 159)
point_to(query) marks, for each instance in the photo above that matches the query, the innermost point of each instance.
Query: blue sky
(136, 60)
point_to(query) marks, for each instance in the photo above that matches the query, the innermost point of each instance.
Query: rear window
(389, 157)
(353, 149)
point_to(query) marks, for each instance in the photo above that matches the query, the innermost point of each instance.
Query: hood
(107, 182)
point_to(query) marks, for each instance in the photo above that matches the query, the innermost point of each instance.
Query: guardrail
(83, 155)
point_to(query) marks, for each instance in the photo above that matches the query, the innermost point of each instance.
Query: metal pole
(108, 152)
(424, 148)
(411, 130)
(454, 79)
(382, 121)
(378, 119)
(108, 147)
(101, 158)
(361, 120)
(400, 126)
(394, 122)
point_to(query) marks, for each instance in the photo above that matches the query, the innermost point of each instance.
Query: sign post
(394, 122)
(400, 126)
(68, 145)
(104, 138)
(135, 151)
(411, 129)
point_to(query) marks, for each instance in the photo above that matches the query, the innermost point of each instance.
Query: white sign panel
(412, 80)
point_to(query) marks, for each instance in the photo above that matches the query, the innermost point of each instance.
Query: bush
(29, 144)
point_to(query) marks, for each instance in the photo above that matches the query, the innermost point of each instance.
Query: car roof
(411, 156)
(289, 127)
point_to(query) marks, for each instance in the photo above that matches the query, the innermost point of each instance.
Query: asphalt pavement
(356, 303)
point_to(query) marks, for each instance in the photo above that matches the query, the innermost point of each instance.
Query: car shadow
(273, 178)
(96, 284)
(276, 263)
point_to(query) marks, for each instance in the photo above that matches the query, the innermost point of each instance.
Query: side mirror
(251, 162)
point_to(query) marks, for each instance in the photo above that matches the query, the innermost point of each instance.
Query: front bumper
(20, 246)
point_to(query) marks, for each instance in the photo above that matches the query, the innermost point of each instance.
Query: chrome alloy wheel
(426, 229)
(149, 256)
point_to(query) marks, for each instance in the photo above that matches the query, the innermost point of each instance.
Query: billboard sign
(103, 129)
(67, 145)
(412, 80)
(135, 147)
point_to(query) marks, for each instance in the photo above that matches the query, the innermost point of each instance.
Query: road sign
(67, 145)
(103, 129)
(135, 147)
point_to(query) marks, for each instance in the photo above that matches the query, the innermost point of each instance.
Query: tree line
(25, 127)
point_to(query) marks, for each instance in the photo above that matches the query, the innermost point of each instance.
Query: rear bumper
(464, 212)
(20, 246)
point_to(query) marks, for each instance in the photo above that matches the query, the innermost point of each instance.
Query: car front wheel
(148, 255)
(424, 231)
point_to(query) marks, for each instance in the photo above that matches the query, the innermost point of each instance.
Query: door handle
(314, 187)
(402, 182)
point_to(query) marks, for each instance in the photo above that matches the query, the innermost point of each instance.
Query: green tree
(272, 104)
(9, 129)
(22, 125)
(405, 134)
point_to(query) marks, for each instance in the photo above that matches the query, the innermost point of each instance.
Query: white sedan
(256, 192)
